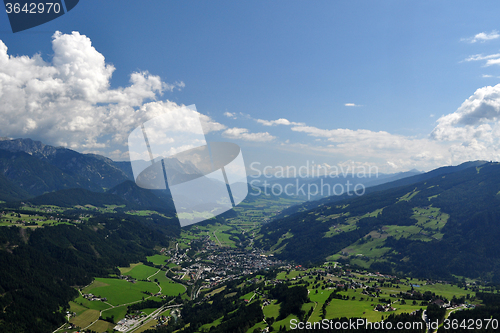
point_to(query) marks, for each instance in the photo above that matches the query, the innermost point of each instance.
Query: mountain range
(441, 223)
(42, 174)
(436, 223)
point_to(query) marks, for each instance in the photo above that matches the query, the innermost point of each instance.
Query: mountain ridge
(447, 224)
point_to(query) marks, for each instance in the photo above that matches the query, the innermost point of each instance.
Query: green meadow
(86, 318)
(119, 291)
(115, 313)
(158, 259)
(102, 326)
(139, 271)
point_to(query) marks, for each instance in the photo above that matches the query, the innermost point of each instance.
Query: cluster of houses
(127, 278)
(384, 308)
(219, 264)
(240, 261)
(13, 217)
(162, 320)
(92, 297)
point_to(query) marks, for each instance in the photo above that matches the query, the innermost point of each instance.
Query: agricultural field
(354, 302)
(105, 209)
(102, 326)
(139, 272)
(29, 220)
(86, 318)
(146, 213)
(236, 230)
(116, 313)
(119, 292)
(168, 287)
(218, 233)
(365, 251)
(36, 216)
(158, 259)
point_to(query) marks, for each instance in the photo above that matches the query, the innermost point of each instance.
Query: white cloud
(281, 121)
(490, 62)
(478, 57)
(401, 152)
(351, 104)
(230, 115)
(474, 128)
(68, 101)
(480, 108)
(482, 37)
(243, 134)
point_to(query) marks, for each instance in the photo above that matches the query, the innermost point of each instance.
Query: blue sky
(396, 84)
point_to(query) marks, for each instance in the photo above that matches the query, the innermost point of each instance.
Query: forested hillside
(445, 225)
(45, 263)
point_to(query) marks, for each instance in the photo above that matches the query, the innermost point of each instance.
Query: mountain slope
(36, 176)
(10, 191)
(79, 196)
(130, 192)
(93, 172)
(385, 186)
(448, 224)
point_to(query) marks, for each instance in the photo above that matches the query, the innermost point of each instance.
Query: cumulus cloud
(399, 152)
(281, 121)
(351, 104)
(482, 37)
(482, 107)
(472, 132)
(243, 134)
(474, 128)
(68, 101)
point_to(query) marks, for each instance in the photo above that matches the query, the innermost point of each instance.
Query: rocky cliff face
(35, 148)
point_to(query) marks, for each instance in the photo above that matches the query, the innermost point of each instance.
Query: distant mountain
(90, 171)
(391, 181)
(126, 167)
(30, 169)
(446, 223)
(36, 176)
(10, 191)
(132, 193)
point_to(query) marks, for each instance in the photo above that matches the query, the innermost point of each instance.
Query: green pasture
(119, 291)
(117, 313)
(85, 318)
(95, 305)
(408, 196)
(158, 259)
(102, 326)
(168, 287)
(139, 271)
(77, 308)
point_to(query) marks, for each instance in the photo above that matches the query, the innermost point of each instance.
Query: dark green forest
(45, 264)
